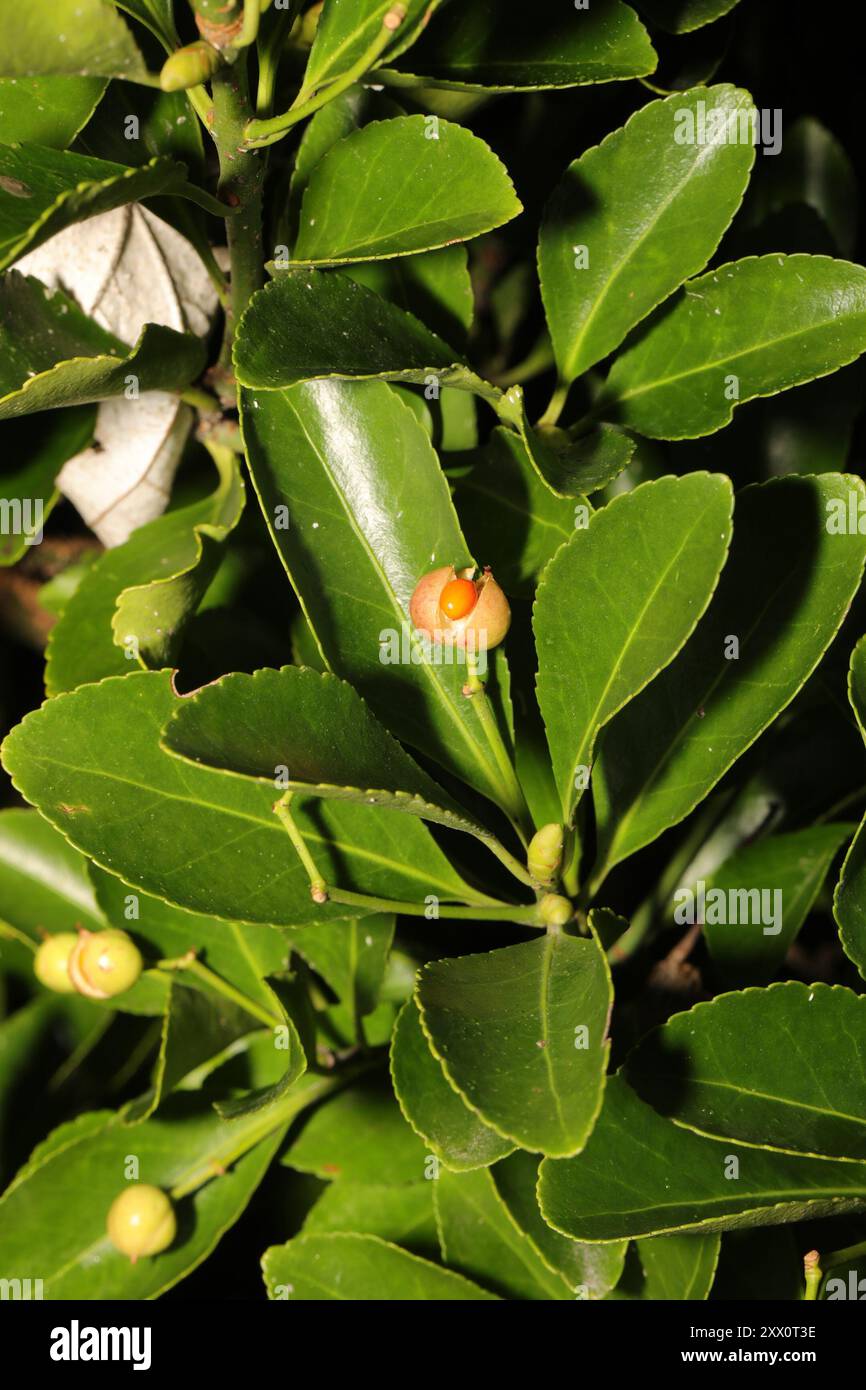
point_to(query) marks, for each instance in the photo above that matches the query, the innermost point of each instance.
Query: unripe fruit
(556, 911)
(104, 963)
(469, 612)
(141, 1221)
(51, 962)
(189, 66)
(544, 856)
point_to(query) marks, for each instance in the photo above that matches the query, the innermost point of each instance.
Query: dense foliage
(344, 926)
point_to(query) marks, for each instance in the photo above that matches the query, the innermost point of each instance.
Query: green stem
(513, 801)
(501, 912)
(270, 51)
(201, 400)
(846, 1256)
(511, 862)
(272, 1117)
(318, 887)
(13, 934)
(266, 132)
(192, 966)
(556, 405)
(813, 1274)
(240, 184)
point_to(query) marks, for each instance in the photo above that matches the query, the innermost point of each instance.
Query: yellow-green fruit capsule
(189, 66)
(51, 962)
(104, 963)
(544, 856)
(141, 1221)
(555, 910)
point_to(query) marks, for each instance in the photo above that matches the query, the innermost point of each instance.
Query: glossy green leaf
(47, 110)
(293, 332)
(401, 1215)
(67, 37)
(360, 1268)
(91, 760)
(795, 865)
(521, 1033)
(480, 1239)
(435, 286)
(642, 1175)
(510, 518)
(319, 730)
(156, 15)
(474, 49)
(42, 191)
(332, 453)
(849, 900)
(64, 1238)
(751, 328)
(359, 1135)
(616, 604)
(243, 955)
(352, 209)
(802, 1090)
(350, 956)
(591, 1271)
(347, 29)
(432, 1106)
(682, 16)
(53, 355)
(137, 599)
(782, 596)
(43, 444)
(636, 216)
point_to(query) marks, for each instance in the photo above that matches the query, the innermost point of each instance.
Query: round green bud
(544, 856)
(556, 911)
(104, 963)
(189, 66)
(141, 1221)
(51, 962)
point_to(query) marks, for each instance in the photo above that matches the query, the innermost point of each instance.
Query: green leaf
(330, 452)
(571, 467)
(794, 866)
(642, 1175)
(750, 328)
(294, 331)
(350, 956)
(783, 594)
(42, 191)
(521, 1033)
(345, 31)
(633, 218)
(802, 1091)
(616, 604)
(435, 286)
(480, 1239)
(474, 50)
(509, 516)
(678, 1268)
(91, 760)
(53, 355)
(84, 37)
(353, 209)
(197, 1027)
(359, 1136)
(139, 596)
(341, 1266)
(319, 730)
(682, 16)
(432, 1106)
(156, 15)
(47, 110)
(43, 1227)
(401, 1215)
(849, 900)
(591, 1271)
(812, 171)
(243, 955)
